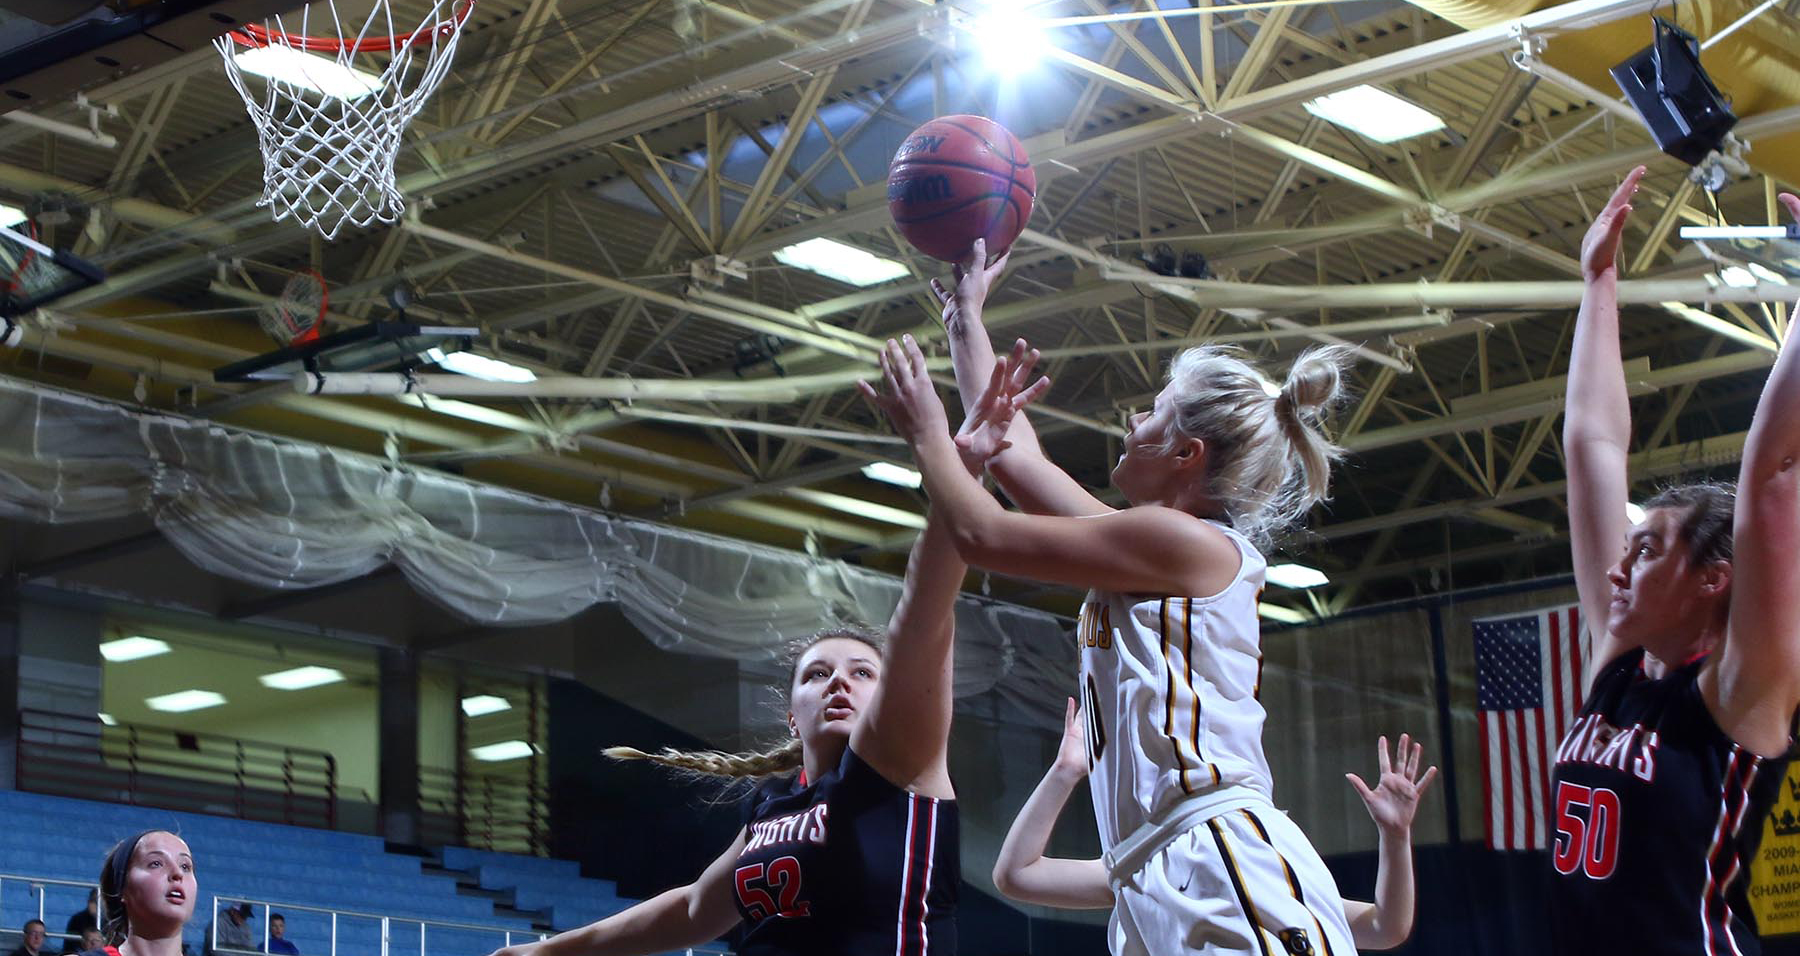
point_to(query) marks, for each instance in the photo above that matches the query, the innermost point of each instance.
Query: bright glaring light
(301, 678)
(892, 474)
(10, 216)
(1767, 274)
(1284, 615)
(184, 700)
(483, 704)
(284, 65)
(835, 260)
(107, 719)
(482, 367)
(505, 750)
(1738, 277)
(1377, 114)
(1271, 389)
(1010, 38)
(132, 648)
(1634, 513)
(1295, 576)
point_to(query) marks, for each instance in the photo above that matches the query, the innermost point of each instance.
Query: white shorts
(1246, 881)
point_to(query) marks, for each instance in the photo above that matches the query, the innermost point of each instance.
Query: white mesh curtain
(286, 515)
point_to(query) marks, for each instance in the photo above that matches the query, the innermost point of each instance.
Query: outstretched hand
(908, 398)
(975, 276)
(983, 432)
(1072, 756)
(1600, 247)
(1395, 797)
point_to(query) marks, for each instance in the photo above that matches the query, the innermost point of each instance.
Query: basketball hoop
(298, 315)
(330, 132)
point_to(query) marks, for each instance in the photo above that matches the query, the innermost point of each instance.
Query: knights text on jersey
(850, 865)
(1171, 687)
(1657, 816)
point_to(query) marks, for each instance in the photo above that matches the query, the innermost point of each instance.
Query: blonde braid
(717, 763)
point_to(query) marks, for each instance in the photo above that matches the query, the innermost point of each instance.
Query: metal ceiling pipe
(604, 389)
(1449, 295)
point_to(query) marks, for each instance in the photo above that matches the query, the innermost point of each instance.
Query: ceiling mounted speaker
(1687, 115)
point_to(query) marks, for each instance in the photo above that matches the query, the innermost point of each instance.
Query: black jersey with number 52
(849, 865)
(1657, 814)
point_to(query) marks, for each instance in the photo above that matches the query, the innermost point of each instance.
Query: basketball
(957, 179)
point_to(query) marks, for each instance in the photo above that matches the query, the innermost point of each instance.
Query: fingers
(943, 294)
(977, 261)
(915, 357)
(1069, 717)
(1792, 202)
(1381, 755)
(1425, 781)
(1031, 394)
(999, 266)
(1362, 789)
(1628, 188)
(1408, 759)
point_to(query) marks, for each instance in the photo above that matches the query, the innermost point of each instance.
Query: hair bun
(1315, 382)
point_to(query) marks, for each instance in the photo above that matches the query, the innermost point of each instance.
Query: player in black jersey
(1662, 783)
(857, 853)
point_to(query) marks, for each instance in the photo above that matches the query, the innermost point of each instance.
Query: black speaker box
(1687, 115)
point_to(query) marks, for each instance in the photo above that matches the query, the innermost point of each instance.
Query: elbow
(1003, 881)
(1388, 937)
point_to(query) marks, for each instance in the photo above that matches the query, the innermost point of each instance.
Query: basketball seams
(976, 163)
(1011, 153)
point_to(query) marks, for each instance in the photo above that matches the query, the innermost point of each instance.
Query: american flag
(1528, 688)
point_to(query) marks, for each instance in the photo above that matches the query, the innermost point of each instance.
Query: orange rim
(254, 35)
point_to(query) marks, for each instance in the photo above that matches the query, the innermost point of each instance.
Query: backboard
(53, 49)
(33, 274)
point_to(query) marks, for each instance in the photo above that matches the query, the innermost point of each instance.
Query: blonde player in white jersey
(1200, 860)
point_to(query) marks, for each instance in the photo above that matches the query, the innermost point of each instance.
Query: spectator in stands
(234, 931)
(92, 940)
(278, 941)
(81, 922)
(147, 893)
(34, 933)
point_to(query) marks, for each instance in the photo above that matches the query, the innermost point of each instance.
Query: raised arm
(906, 732)
(1022, 872)
(1754, 687)
(680, 918)
(1597, 426)
(1392, 803)
(1146, 549)
(1029, 478)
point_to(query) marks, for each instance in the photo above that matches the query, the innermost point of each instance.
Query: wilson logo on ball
(957, 179)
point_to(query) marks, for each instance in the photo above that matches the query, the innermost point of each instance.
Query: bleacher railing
(12, 884)
(399, 935)
(77, 756)
(483, 811)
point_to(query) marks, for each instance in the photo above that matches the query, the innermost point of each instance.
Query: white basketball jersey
(1170, 685)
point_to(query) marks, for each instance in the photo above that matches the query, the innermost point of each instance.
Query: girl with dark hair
(1198, 858)
(849, 845)
(1662, 784)
(147, 893)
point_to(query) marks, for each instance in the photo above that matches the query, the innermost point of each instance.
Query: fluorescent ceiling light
(1295, 576)
(892, 474)
(107, 719)
(1375, 113)
(301, 678)
(132, 648)
(1634, 512)
(1734, 232)
(1738, 277)
(481, 367)
(483, 704)
(835, 260)
(10, 216)
(1009, 37)
(183, 701)
(1767, 274)
(308, 72)
(505, 750)
(1284, 615)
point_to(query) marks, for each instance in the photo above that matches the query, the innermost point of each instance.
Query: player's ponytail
(718, 763)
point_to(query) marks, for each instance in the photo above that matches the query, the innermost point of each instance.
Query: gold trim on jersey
(1242, 888)
(1292, 879)
(1187, 682)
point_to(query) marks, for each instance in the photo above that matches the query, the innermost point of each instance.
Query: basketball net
(330, 129)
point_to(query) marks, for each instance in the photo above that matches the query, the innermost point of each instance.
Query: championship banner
(1775, 873)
